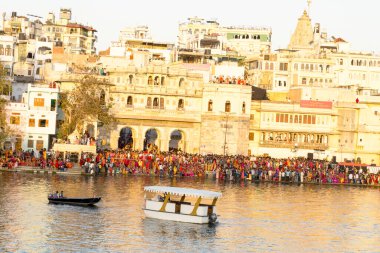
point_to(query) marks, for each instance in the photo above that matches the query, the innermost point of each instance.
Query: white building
(7, 48)
(34, 118)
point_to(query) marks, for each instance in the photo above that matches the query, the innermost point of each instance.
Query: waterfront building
(174, 107)
(33, 119)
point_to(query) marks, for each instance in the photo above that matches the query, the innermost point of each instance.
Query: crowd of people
(179, 164)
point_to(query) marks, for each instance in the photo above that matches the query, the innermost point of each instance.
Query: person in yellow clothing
(44, 154)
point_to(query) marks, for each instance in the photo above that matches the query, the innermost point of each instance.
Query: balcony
(291, 145)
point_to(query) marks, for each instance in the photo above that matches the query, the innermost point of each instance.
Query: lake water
(254, 217)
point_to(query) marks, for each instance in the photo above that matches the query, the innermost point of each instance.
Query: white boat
(181, 204)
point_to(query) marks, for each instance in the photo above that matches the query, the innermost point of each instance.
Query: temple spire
(308, 6)
(302, 37)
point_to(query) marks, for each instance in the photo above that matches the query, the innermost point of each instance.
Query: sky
(355, 21)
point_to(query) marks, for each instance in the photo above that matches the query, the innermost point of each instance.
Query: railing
(292, 145)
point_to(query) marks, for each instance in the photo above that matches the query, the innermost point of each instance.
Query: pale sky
(355, 21)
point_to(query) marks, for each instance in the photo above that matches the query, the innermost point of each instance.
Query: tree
(5, 90)
(86, 102)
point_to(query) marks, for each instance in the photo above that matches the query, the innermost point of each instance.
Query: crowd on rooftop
(229, 80)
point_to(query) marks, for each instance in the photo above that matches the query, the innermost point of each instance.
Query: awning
(183, 191)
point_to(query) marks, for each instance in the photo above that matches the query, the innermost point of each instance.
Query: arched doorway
(177, 142)
(125, 138)
(150, 139)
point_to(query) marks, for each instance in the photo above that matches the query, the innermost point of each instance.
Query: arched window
(227, 106)
(149, 102)
(129, 101)
(156, 81)
(180, 104)
(162, 80)
(162, 103)
(130, 79)
(243, 108)
(150, 80)
(210, 105)
(295, 66)
(181, 82)
(155, 103)
(38, 71)
(1, 49)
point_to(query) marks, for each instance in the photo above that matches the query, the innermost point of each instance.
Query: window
(32, 122)
(150, 80)
(303, 80)
(30, 143)
(227, 107)
(39, 102)
(53, 103)
(156, 80)
(181, 82)
(129, 101)
(251, 136)
(155, 103)
(180, 104)
(162, 80)
(8, 50)
(210, 105)
(243, 108)
(162, 103)
(43, 123)
(1, 50)
(130, 79)
(39, 144)
(14, 120)
(149, 102)
(283, 66)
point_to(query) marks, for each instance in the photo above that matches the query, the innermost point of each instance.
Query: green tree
(86, 102)
(5, 90)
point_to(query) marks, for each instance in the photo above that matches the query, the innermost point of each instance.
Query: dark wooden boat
(74, 201)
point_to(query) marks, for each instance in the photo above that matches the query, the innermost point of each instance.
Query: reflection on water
(254, 217)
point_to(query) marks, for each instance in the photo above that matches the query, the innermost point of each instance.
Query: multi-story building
(199, 34)
(21, 27)
(7, 53)
(74, 37)
(175, 107)
(33, 118)
(134, 40)
(314, 60)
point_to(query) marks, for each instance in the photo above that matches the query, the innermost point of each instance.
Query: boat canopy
(183, 191)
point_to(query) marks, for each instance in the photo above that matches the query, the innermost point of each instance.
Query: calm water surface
(254, 217)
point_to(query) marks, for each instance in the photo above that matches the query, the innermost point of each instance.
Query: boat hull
(176, 217)
(75, 201)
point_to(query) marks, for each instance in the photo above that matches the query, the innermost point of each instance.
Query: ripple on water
(253, 217)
